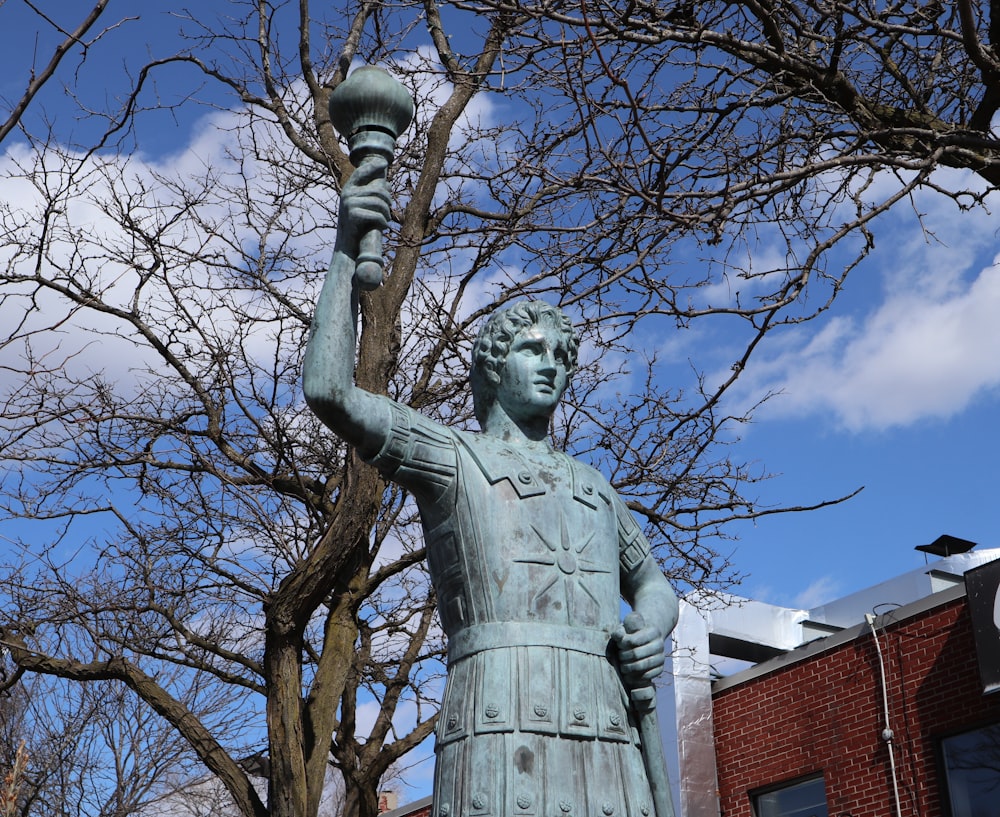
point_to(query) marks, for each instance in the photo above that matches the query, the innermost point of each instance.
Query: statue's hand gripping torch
(370, 109)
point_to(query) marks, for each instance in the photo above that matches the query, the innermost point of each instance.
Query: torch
(370, 109)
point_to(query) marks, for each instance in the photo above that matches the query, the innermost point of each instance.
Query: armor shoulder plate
(419, 454)
(632, 545)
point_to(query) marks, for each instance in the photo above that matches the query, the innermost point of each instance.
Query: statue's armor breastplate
(530, 537)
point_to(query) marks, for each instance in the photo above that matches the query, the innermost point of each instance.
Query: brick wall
(420, 808)
(422, 811)
(824, 714)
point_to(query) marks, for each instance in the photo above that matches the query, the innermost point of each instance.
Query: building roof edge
(830, 642)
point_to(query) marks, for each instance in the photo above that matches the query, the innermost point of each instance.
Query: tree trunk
(360, 800)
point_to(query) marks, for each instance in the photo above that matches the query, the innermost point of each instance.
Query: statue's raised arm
(328, 372)
(370, 109)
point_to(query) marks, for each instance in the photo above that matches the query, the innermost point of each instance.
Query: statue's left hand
(640, 651)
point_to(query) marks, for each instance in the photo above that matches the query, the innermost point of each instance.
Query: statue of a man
(530, 552)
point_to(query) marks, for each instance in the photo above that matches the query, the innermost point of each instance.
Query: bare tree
(183, 529)
(82, 749)
(76, 36)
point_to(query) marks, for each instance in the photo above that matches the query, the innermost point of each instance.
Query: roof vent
(947, 546)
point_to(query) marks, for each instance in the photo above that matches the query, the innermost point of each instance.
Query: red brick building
(419, 808)
(884, 718)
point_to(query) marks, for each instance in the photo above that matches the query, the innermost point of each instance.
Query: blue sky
(896, 389)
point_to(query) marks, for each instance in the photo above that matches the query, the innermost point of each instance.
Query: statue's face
(535, 373)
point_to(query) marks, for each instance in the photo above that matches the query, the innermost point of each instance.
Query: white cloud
(823, 590)
(929, 349)
(914, 358)
(820, 591)
(88, 242)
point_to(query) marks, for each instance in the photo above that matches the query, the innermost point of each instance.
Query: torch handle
(369, 266)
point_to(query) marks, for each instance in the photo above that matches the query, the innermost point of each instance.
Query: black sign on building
(982, 585)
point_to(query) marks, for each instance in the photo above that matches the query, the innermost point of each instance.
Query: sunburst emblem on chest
(563, 570)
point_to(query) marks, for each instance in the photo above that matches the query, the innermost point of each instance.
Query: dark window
(972, 766)
(806, 798)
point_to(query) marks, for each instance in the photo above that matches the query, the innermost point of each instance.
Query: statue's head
(489, 352)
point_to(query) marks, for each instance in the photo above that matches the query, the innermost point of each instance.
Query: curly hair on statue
(489, 352)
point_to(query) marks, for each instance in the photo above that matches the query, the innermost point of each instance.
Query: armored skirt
(526, 549)
(511, 743)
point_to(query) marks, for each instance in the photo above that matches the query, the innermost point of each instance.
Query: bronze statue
(530, 552)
